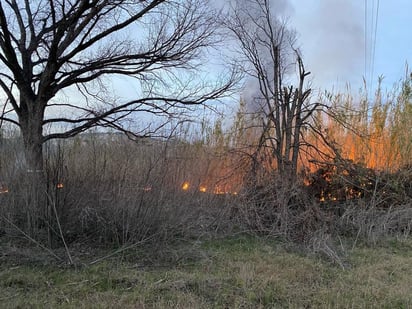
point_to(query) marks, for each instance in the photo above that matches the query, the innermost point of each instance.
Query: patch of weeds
(242, 243)
(401, 247)
(236, 272)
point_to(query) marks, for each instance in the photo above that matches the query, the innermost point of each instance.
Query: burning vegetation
(281, 168)
(123, 191)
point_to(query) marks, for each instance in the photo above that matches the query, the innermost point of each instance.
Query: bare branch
(47, 46)
(267, 44)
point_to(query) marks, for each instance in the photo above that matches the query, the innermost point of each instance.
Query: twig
(60, 230)
(356, 238)
(31, 239)
(124, 248)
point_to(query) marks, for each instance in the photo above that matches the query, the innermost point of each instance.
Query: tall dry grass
(104, 188)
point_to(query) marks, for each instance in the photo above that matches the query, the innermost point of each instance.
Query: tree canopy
(48, 47)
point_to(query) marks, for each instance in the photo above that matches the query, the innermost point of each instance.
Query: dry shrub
(345, 180)
(134, 192)
(285, 209)
(373, 224)
(324, 244)
(367, 204)
(282, 208)
(340, 181)
(108, 189)
(18, 188)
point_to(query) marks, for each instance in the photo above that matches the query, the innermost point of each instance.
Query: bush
(108, 189)
(282, 208)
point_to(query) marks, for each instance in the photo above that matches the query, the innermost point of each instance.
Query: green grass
(237, 272)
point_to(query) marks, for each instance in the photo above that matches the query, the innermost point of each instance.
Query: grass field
(235, 272)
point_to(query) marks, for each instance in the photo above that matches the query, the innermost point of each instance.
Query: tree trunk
(33, 150)
(32, 132)
(34, 180)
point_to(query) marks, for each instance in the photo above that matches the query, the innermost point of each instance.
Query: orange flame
(185, 186)
(202, 189)
(60, 185)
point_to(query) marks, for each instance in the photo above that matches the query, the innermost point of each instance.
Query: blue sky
(332, 39)
(331, 35)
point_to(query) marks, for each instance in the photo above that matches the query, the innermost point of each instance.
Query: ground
(231, 272)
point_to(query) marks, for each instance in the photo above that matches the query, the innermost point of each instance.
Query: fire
(147, 188)
(185, 186)
(224, 190)
(60, 185)
(207, 187)
(203, 188)
(218, 191)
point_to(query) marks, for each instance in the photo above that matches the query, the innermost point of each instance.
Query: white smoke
(331, 35)
(252, 12)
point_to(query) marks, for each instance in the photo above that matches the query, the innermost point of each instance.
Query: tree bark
(31, 125)
(34, 181)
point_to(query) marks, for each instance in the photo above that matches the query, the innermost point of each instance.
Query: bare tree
(49, 47)
(267, 49)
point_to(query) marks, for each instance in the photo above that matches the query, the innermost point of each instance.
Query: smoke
(330, 37)
(252, 12)
(331, 34)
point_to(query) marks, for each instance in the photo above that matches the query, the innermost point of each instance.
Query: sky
(331, 35)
